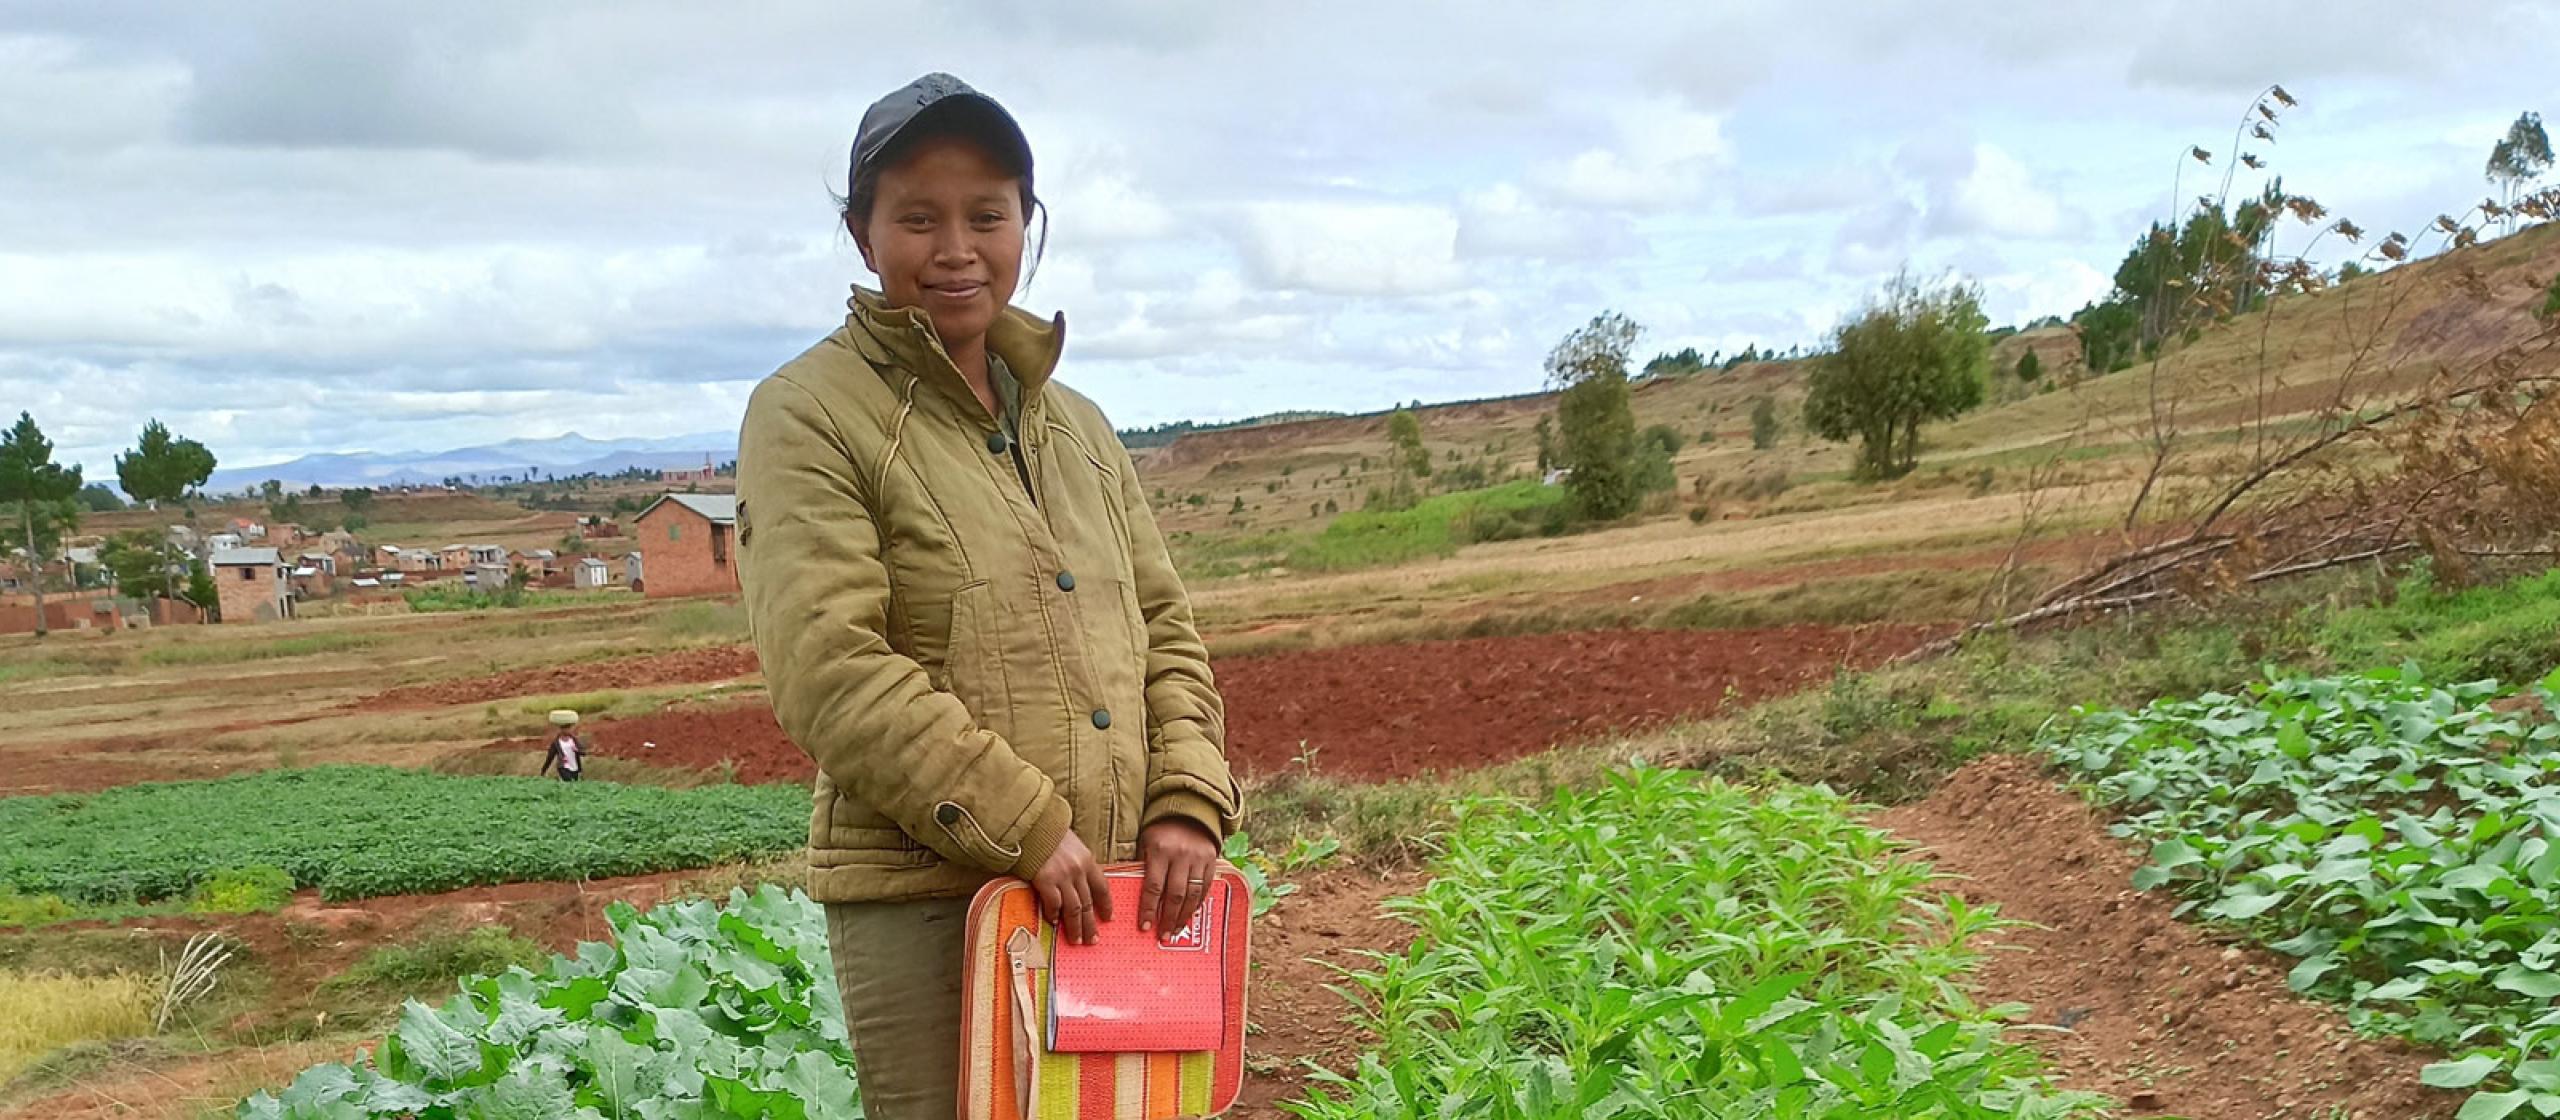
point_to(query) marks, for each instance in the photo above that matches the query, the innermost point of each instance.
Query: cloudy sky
(346, 226)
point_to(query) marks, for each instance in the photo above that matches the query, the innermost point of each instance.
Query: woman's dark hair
(854, 207)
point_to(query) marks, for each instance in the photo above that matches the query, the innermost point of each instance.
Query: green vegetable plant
(360, 831)
(1664, 946)
(692, 1010)
(2400, 838)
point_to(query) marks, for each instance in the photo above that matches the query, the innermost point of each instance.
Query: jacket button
(1066, 581)
(996, 442)
(949, 814)
(1102, 719)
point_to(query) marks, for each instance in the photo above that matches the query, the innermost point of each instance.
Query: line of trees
(43, 501)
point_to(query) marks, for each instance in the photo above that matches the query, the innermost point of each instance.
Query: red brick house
(686, 544)
(251, 583)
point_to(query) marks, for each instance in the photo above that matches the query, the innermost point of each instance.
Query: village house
(251, 585)
(686, 476)
(541, 563)
(686, 541)
(225, 542)
(631, 572)
(488, 577)
(453, 557)
(484, 554)
(312, 581)
(591, 574)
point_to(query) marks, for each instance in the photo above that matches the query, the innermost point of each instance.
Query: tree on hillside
(2109, 334)
(98, 497)
(356, 499)
(270, 490)
(1685, 360)
(38, 494)
(163, 467)
(1765, 425)
(1546, 433)
(2030, 367)
(1916, 354)
(1596, 417)
(1408, 461)
(2518, 158)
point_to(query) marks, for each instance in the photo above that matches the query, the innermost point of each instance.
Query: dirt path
(2156, 1012)
(1291, 1018)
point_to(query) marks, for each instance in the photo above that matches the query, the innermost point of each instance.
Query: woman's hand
(1181, 857)
(1073, 894)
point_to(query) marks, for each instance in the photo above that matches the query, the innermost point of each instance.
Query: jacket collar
(1028, 345)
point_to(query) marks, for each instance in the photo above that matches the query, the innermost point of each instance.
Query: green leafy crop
(692, 1011)
(2401, 838)
(1666, 947)
(359, 831)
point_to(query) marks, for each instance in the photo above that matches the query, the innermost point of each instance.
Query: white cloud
(1999, 198)
(1504, 221)
(2055, 287)
(258, 222)
(1666, 156)
(1351, 248)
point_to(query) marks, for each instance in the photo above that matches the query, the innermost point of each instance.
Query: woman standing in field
(964, 609)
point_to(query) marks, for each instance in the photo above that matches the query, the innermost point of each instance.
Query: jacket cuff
(1041, 840)
(1190, 807)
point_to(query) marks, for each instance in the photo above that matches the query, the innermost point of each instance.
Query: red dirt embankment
(1385, 712)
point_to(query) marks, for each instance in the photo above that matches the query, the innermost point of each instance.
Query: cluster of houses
(680, 544)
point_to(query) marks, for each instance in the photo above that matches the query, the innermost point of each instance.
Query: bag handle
(1022, 950)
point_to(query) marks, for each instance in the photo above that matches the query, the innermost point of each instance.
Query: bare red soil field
(1379, 712)
(684, 666)
(1383, 712)
(2138, 1004)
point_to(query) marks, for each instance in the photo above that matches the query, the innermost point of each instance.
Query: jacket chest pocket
(956, 638)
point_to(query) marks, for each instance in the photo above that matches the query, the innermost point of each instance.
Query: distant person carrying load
(567, 749)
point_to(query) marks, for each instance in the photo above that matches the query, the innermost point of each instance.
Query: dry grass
(43, 1011)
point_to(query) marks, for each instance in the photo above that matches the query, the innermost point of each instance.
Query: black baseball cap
(935, 96)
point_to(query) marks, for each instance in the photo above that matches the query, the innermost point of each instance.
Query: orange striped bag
(1006, 1069)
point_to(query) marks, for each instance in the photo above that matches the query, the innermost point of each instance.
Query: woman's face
(945, 234)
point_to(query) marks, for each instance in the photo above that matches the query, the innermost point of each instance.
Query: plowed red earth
(684, 666)
(1378, 712)
(1383, 712)
(2134, 1003)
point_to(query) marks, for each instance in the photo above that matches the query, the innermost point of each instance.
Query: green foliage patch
(692, 1010)
(2401, 838)
(1436, 526)
(359, 831)
(1666, 947)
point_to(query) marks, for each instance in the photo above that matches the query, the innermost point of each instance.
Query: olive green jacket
(976, 666)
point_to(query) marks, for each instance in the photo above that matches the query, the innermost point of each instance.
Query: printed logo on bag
(1196, 934)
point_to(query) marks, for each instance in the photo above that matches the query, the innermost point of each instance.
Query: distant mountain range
(558, 457)
(573, 454)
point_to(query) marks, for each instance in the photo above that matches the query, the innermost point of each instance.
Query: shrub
(255, 889)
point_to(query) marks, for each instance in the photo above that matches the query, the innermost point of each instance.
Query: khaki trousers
(898, 968)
